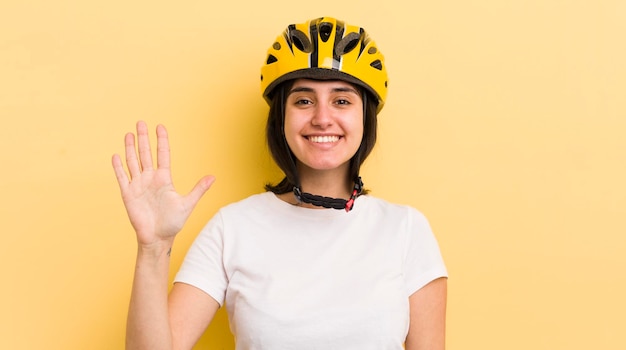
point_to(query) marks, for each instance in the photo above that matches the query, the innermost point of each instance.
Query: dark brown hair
(283, 156)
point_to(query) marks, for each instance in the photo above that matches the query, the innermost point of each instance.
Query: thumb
(199, 190)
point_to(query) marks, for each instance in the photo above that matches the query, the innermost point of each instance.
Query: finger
(163, 148)
(143, 142)
(120, 174)
(131, 156)
(199, 190)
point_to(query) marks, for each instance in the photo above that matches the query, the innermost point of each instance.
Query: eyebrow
(337, 89)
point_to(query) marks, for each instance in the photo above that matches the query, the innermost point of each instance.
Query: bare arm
(427, 329)
(148, 324)
(157, 213)
(191, 311)
(156, 321)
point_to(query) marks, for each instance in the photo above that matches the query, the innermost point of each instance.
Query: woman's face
(323, 123)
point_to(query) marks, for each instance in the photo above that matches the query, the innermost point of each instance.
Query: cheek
(290, 140)
(357, 129)
(357, 142)
(291, 128)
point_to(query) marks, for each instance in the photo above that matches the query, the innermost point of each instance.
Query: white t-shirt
(299, 278)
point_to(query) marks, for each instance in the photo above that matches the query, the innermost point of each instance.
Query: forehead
(323, 85)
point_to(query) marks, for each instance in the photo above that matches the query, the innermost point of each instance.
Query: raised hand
(156, 211)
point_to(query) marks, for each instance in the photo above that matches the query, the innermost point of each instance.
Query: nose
(322, 116)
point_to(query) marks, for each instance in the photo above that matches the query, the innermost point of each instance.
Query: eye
(342, 101)
(303, 101)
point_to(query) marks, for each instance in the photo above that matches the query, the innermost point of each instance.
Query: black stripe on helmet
(338, 36)
(313, 57)
(288, 36)
(364, 41)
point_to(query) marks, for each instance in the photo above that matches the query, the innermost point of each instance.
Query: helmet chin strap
(328, 202)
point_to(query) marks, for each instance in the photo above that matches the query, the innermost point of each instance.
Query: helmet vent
(300, 40)
(377, 64)
(326, 29)
(271, 59)
(347, 44)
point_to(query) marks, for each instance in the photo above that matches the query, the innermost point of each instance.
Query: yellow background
(505, 125)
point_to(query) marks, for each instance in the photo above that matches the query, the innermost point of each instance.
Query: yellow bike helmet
(326, 49)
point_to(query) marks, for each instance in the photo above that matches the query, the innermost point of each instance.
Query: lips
(323, 138)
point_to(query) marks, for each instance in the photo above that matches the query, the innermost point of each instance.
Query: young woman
(293, 272)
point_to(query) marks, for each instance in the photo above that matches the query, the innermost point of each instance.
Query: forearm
(148, 324)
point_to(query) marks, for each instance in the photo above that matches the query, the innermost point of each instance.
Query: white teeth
(323, 139)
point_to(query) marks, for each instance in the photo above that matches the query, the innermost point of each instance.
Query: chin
(324, 166)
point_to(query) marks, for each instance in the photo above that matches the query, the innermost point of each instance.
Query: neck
(328, 183)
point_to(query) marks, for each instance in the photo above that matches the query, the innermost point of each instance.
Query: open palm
(156, 211)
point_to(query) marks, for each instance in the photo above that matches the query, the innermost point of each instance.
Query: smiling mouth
(323, 139)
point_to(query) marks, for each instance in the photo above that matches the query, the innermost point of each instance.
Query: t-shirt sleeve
(203, 265)
(423, 262)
